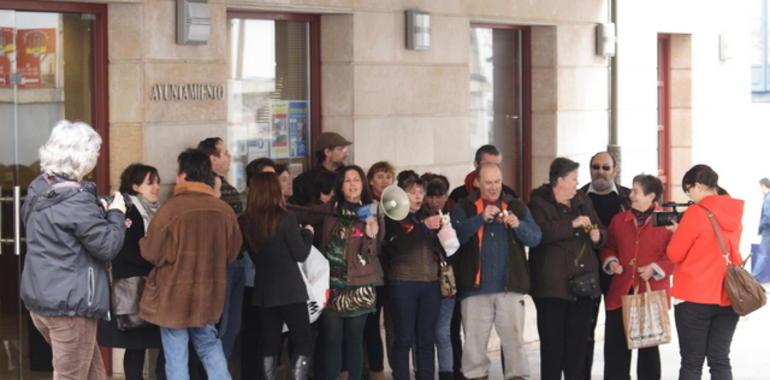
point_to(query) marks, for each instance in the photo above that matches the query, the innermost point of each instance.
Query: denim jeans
(443, 341)
(414, 307)
(230, 323)
(705, 332)
(761, 265)
(207, 346)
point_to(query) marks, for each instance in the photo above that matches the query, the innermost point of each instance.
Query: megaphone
(394, 203)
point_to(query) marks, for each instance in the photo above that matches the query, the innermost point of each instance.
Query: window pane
(496, 96)
(268, 94)
(756, 32)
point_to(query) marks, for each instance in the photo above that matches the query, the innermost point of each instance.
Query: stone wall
(409, 107)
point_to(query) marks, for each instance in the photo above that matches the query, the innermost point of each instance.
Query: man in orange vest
(492, 273)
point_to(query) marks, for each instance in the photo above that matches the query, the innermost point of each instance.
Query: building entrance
(52, 67)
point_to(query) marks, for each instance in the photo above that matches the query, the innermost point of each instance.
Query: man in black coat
(331, 153)
(609, 199)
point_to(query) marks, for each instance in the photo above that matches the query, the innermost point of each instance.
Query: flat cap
(330, 140)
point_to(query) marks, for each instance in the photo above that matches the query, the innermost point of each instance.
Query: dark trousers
(271, 320)
(414, 307)
(617, 356)
(337, 330)
(133, 364)
(563, 327)
(372, 337)
(705, 332)
(250, 339)
(604, 284)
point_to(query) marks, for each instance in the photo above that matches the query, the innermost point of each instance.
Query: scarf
(146, 208)
(641, 216)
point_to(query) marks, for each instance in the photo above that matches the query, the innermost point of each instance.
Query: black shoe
(268, 367)
(300, 367)
(446, 376)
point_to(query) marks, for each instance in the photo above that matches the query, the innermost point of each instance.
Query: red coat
(700, 266)
(629, 242)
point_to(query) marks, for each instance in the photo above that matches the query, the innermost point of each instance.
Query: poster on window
(298, 128)
(259, 145)
(6, 51)
(279, 147)
(36, 60)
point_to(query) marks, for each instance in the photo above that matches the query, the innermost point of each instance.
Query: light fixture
(605, 39)
(417, 30)
(193, 22)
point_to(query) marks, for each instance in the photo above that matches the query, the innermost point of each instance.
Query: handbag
(446, 279)
(645, 318)
(353, 298)
(745, 292)
(447, 237)
(583, 283)
(124, 301)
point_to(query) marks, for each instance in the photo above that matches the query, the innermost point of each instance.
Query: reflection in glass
(45, 76)
(268, 94)
(496, 96)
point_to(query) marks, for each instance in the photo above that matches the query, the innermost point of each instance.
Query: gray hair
(71, 150)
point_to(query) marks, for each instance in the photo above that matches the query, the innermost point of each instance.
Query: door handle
(17, 220)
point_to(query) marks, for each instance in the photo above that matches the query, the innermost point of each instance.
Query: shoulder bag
(745, 292)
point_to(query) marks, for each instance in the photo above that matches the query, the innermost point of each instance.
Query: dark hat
(330, 140)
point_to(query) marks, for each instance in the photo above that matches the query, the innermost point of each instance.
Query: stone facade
(376, 92)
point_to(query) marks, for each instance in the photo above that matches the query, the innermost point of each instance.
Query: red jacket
(694, 248)
(635, 246)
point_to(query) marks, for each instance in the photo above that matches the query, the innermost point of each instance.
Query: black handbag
(583, 283)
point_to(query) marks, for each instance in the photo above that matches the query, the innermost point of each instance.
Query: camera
(109, 199)
(667, 218)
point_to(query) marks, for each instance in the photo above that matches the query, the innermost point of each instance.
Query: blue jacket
(764, 220)
(500, 264)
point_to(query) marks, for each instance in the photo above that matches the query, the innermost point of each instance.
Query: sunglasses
(606, 168)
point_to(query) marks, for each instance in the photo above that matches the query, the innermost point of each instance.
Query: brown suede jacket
(190, 241)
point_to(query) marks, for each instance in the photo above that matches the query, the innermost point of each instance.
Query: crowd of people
(203, 271)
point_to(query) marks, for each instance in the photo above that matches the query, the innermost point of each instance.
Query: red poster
(6, 49)
(36, 60)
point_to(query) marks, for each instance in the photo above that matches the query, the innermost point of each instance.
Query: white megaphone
(394, 203)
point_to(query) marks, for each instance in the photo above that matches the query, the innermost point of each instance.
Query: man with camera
(492, 273)
(609, 199)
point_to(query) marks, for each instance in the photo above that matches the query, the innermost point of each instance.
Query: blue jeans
(413, 305)
(761, 267)
(443, 341)
(230, 323)
(207, 346)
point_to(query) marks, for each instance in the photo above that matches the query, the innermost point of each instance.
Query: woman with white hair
(70, 238)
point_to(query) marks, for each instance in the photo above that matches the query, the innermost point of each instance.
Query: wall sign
(169, 92)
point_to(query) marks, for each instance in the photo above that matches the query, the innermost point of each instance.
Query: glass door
(500, 96)
(46, 74)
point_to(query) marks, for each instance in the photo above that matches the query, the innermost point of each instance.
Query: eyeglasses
(606, 168)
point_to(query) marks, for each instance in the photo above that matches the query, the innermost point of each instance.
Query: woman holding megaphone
(351, 246)
(413, 254)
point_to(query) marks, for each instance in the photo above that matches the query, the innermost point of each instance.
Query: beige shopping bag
(645, 318)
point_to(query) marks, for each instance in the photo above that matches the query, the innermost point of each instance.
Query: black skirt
(141, 338)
